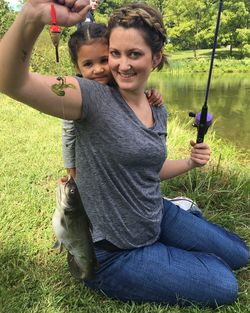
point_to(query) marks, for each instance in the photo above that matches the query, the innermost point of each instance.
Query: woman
(88, 48)
(148, 249)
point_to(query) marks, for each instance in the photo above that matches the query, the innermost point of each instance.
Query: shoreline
(184, 61)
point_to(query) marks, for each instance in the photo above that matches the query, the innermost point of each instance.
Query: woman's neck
(133, 98)
(138, 102)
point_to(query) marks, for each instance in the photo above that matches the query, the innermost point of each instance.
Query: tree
(7, 16)
(106, 7)
(235, 16)
(191, 24)
(159, 4)
(243, 36)
(185, 20)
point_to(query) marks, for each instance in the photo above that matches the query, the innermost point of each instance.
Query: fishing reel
(202, 122)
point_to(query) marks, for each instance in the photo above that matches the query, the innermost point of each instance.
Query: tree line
(190, 23)
(7, 16)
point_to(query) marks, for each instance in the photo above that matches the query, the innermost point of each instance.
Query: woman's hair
(146, 19)
(87, 34)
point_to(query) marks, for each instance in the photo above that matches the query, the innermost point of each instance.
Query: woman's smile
(126, 75)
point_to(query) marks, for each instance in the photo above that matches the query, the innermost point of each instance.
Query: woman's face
(130, 59)
(92, 62)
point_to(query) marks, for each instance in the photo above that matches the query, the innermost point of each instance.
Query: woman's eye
(135, 55)
(114, 54)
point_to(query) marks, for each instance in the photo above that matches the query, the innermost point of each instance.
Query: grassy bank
(35, 279)
(184, 61)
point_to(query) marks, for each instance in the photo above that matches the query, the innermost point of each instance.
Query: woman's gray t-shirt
(118, 161)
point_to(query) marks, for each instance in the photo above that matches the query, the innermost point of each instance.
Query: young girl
(88, 48)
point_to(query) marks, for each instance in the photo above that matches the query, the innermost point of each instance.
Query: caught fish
(72, 228)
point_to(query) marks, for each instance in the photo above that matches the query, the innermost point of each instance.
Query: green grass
(184, 61)
(35, 279)
(220, 53)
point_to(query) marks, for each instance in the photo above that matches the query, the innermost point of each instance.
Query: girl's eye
(104, 61)
(87, 64)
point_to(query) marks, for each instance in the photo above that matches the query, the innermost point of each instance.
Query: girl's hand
(68, 12)
(72, 172)
(200, 154)
(154, 97)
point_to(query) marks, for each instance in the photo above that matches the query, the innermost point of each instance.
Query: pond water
(229, 101)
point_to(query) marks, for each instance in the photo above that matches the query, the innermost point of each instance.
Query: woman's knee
(239, 257)
(229, 291)
(225, 284)
(233, 251)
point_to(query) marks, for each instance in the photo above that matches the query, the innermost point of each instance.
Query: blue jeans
(191, 262)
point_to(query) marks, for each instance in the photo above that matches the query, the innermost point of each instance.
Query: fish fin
(58, 245)
(97, 265)
(74, 268)
(90, 224)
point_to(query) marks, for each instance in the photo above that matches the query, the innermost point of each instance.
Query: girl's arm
(68, 147)
(15, 50)
(200, 155)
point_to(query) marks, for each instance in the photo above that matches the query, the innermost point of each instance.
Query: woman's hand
(200, 154)
(68, 12)
(154, 97)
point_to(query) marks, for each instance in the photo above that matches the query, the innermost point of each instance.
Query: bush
(169, 48)
(246, 50)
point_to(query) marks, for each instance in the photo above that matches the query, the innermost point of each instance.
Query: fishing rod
(204, 119)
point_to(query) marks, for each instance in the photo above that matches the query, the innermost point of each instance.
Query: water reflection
(229, 101)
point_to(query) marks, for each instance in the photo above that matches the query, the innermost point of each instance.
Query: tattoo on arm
(24, 55)
(58, 88)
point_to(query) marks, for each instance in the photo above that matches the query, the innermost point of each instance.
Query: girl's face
(92, 62)
(94, 4)
(130, 59)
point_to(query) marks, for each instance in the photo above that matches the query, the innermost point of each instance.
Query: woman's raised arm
(15, 50)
